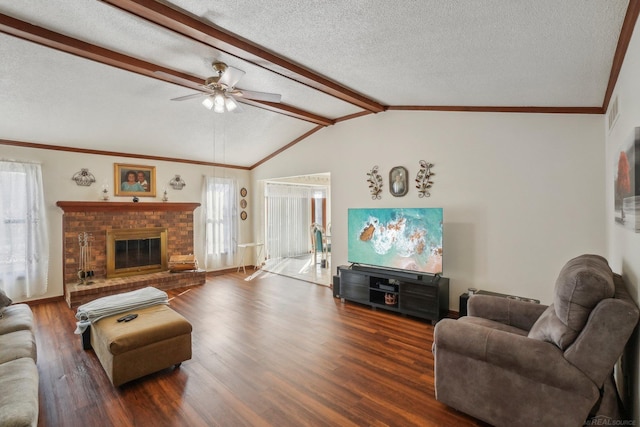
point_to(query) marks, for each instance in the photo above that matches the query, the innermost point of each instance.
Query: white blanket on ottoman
(95, 310)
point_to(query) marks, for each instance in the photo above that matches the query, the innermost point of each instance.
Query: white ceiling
(420, 53)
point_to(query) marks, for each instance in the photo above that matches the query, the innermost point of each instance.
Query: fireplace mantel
(125, 206)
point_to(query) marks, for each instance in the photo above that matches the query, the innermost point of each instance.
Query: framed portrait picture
(134, 180)
(627, 183)
(398, 184)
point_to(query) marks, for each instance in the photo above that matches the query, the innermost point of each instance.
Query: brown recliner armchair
(514, 363)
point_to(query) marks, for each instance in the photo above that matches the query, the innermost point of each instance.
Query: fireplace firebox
(136, 251)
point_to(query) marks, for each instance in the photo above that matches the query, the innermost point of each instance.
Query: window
(221, 221)
(24, 243)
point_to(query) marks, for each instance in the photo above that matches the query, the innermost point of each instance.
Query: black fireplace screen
(137, 253)
(134, 251)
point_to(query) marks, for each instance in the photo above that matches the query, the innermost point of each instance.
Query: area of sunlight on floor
(302, 268)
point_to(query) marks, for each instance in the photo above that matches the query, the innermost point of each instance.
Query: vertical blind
(288, 219)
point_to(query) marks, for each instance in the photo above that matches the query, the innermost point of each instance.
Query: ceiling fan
(221, 93)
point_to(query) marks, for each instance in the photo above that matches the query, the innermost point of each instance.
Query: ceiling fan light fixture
(208, 102)
(230, 103)
(218, 101)
(217, 108)
(218, 98)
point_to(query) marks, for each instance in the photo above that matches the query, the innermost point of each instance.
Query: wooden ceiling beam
(288, 110)
(51, 39)
(190, 26)
(628, 25)
(498, 109)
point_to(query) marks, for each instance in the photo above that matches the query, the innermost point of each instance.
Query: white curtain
(288, 218)
(24, 241)
(221, 222)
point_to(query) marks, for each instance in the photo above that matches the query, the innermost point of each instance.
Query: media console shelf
(423, 296)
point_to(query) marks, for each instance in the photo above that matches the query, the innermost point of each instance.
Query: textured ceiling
(427, 53)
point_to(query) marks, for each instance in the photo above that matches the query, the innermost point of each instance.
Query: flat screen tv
(408, 239)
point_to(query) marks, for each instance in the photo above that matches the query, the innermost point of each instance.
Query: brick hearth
(77, 294)
(98, 217)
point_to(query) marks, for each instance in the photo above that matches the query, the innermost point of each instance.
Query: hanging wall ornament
(83, 177)
(423, 179)
(375, 183)
(177, 183)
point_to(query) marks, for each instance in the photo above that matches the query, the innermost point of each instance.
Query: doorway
(292, 206)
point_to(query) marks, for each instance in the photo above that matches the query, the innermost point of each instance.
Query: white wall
(623, 245)
(58, 167)
(522, 193)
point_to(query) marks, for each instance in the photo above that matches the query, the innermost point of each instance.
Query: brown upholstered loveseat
(513, 363)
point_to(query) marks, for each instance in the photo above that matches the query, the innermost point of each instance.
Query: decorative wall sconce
(177, 183)
(84, 177)
(423, 179)
(375, 183)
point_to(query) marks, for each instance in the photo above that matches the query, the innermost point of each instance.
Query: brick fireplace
(97, 218)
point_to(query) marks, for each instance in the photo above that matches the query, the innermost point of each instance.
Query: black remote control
(127, 317)
(130, 317)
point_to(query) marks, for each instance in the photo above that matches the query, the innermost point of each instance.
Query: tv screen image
(397, 238)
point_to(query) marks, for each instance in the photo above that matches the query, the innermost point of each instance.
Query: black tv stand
(424, 296)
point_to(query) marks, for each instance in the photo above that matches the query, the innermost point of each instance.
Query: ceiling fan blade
(231, 77)
(257, 96)
(192, 96)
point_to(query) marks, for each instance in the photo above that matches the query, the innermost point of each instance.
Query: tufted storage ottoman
(157, 339)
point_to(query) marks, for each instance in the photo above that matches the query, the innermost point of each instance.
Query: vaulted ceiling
(100, 76)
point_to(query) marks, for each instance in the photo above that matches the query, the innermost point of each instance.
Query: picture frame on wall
(134, 180)
(398, 181)
(627, 183)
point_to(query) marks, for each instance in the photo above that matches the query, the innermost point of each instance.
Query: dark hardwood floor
(272, 351)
